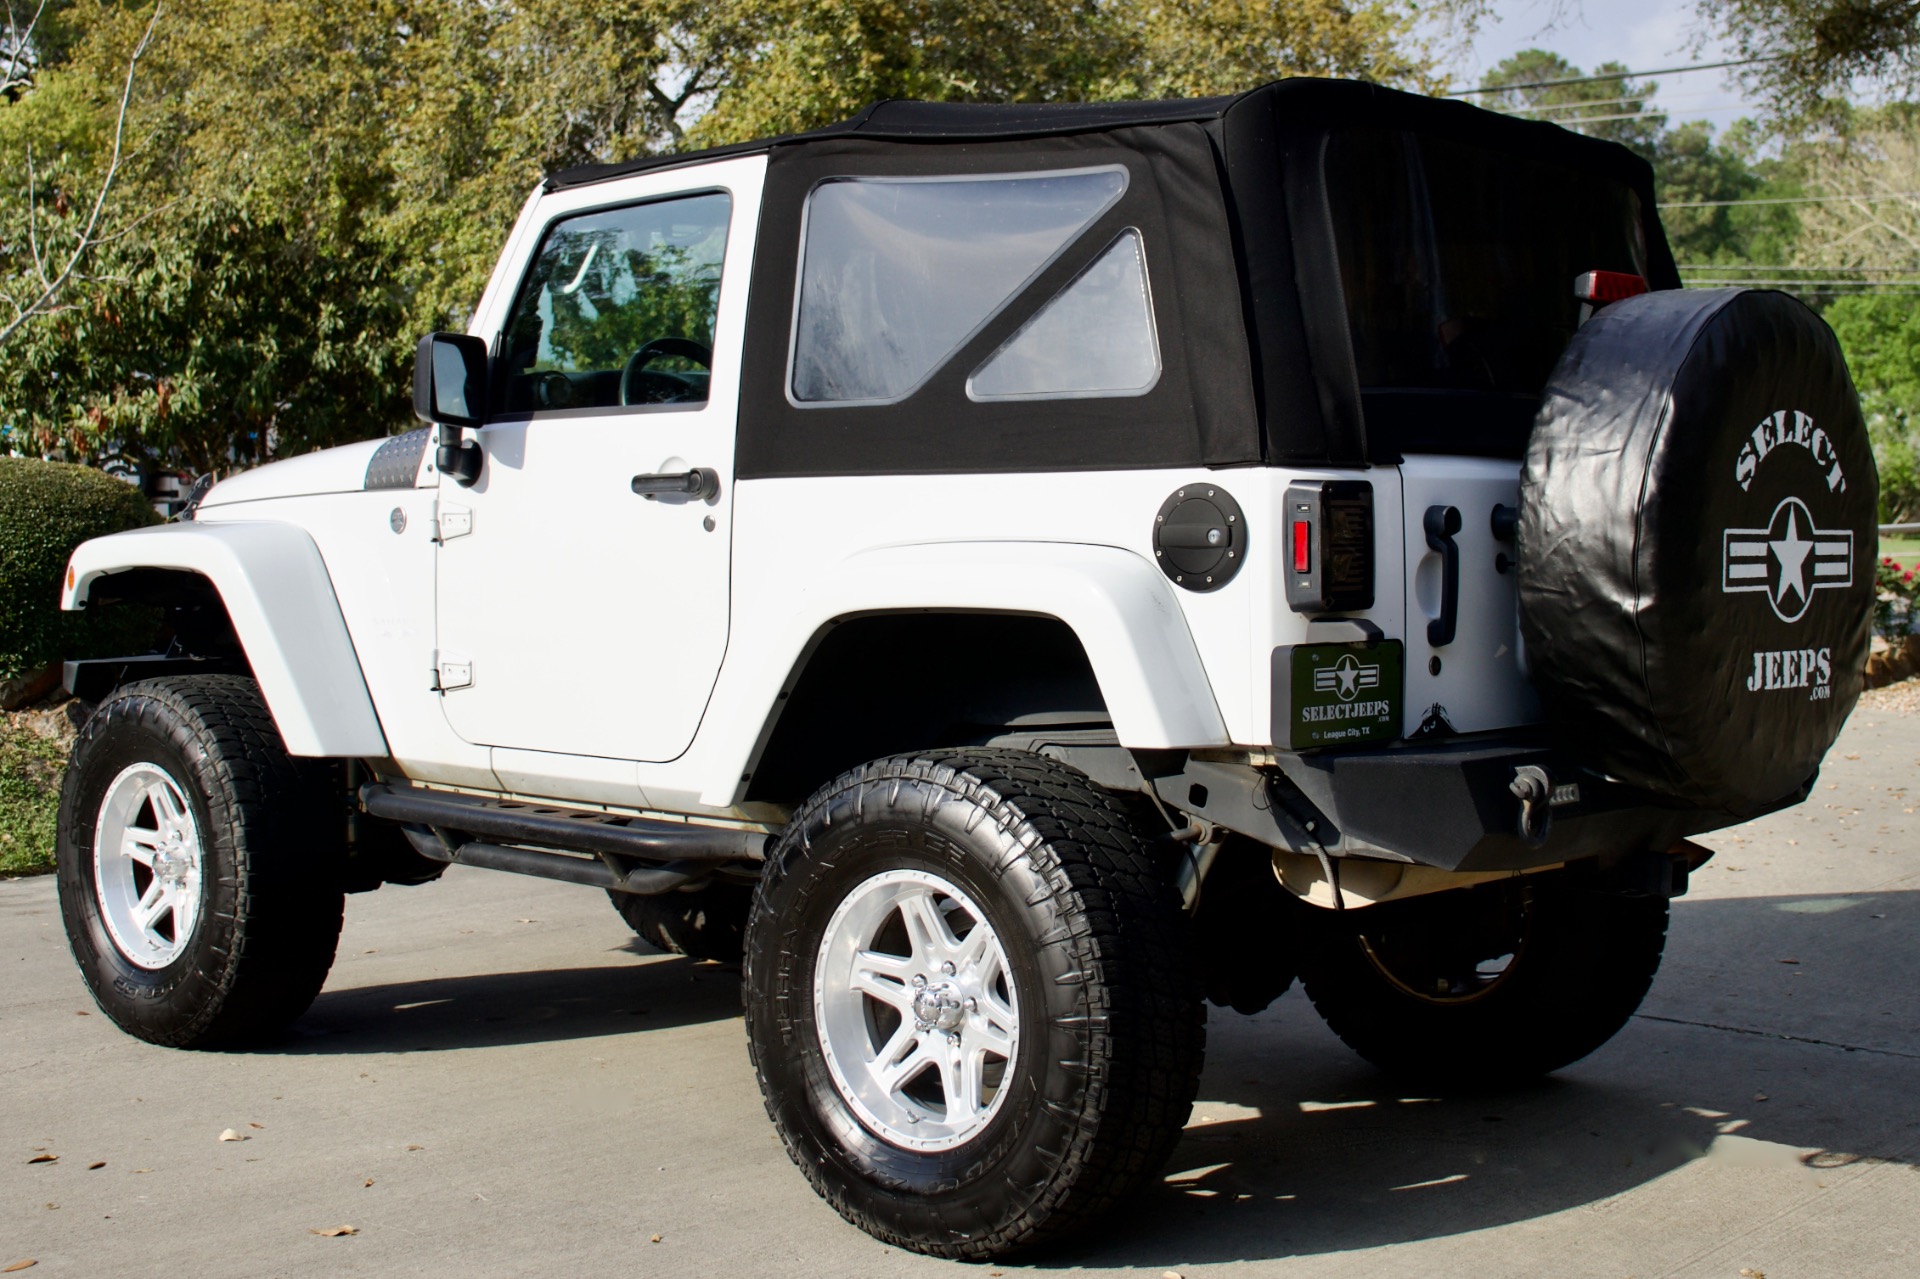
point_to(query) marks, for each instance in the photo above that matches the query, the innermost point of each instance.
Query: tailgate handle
(1441, 524)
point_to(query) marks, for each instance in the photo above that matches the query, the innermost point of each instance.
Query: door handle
(1441, 524)
(702, 484)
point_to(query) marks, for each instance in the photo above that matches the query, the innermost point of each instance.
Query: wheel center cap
(170, 865)
(938, 1007)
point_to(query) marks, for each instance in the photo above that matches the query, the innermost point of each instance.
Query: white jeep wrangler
(1011, 574)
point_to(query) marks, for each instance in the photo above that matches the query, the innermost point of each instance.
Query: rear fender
(278, 596)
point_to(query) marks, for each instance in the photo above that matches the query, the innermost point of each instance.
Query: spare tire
(1696, 546)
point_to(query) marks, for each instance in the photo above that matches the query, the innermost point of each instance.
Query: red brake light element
(1301, 536)
(1602, 287)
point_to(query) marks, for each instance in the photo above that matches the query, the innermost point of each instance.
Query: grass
(30, 768)
(1907, 552)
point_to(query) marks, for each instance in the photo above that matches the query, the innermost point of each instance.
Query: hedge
(47, 509)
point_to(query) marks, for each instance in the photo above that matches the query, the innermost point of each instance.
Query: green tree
(312, 186)
(1816, 49)
(1881, 336)
(1606, 104)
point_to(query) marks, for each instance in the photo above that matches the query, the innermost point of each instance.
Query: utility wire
(1618, 75)
(1870, 197)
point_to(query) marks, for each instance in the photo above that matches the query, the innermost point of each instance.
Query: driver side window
(618, 309)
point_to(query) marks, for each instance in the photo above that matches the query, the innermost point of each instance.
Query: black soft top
(1231, 195)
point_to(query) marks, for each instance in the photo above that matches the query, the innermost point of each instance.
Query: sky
(1644, 34)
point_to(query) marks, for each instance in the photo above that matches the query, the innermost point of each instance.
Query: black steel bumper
(1460, 804)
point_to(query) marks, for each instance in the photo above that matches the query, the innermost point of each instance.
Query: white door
(575, 614)
(1475, 679)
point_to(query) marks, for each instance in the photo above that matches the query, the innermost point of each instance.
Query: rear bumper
(1451, 804)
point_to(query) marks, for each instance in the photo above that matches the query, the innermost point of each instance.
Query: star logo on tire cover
(1789, 559)
(1346, 677)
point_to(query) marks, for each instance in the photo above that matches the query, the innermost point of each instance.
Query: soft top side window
(1095, 337)
(618, 309)
(896, 274)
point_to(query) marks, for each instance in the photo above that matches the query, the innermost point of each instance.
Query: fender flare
(280, 600)
(1119, 606)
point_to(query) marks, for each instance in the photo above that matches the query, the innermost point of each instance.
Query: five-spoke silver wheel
(918, 1016)
(147, 866)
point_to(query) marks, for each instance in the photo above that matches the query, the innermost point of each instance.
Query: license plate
(1341, 695)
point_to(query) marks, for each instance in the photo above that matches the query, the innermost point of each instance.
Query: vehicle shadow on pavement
(483, 1010)
(1297, 1147)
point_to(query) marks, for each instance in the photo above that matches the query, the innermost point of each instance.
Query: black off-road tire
(1581, 963)
(272, 834)
(707, 923)
(1113, 1025)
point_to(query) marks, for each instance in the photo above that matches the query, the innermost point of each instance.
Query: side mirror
(450, 391)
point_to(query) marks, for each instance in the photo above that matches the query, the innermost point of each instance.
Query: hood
(349, 468)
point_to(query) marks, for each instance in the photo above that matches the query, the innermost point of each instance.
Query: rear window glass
(896, 274)
(1458, 262)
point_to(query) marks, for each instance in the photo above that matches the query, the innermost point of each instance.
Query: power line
(1602, 119)
(1618, 75)
(1869, 197)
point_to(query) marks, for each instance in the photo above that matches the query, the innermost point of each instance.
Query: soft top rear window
(1458, 264)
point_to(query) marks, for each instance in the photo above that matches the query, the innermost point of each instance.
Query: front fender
(280, 600)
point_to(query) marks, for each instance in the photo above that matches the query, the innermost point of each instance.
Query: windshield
(1458, 262)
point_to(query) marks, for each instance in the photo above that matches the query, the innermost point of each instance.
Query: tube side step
(570, 829)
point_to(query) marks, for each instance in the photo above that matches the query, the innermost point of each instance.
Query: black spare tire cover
(1696, 546)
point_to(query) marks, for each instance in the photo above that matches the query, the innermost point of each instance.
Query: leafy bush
(30, 767)
(47, 509)
(1895, 597)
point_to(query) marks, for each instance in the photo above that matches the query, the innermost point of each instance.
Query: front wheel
(199, 865)
(971, 1001)
(1488, 985)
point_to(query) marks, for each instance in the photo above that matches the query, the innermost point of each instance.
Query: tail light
(1330, 526)
(1597, 288)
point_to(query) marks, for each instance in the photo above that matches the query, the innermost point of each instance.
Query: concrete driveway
(499, 1081)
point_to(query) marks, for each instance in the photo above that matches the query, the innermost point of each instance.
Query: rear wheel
(199, 866)
(971, 1001)
(708, 923)
(1486, 985)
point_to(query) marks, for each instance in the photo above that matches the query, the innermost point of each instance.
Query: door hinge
(451, 522)
(452, 672)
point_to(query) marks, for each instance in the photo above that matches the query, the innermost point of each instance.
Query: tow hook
(1534, 789)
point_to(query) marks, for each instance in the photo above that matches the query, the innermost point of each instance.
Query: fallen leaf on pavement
(140, 1170)
(1170, 1274)
(655, 1239)
(44, 1159)
(1746, 1273)
(253, 1125)
(228, 1134)
(98, 1163)
(21, 1264)
(415, 1146)
(366, 1183)
(334, 1232)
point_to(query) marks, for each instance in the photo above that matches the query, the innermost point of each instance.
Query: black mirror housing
(450, 379)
